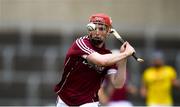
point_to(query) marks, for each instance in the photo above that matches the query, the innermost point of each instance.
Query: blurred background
(35, 35)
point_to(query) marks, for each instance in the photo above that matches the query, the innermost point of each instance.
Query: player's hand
(127, 48)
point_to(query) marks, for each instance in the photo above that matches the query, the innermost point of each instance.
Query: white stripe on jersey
(81, 47)
(80, 43)
(86, 45)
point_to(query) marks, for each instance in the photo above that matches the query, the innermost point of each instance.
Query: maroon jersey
(81, 80)
(119, 94)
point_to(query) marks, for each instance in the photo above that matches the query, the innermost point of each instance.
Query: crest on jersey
(99, 69)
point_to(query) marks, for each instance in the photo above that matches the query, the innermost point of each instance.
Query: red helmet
(101, 18)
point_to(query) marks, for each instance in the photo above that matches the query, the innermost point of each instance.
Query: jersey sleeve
(112, 70)
(81, 47)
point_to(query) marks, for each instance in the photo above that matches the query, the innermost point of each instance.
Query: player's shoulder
(82, 40)
(169, 68)
(148, 71)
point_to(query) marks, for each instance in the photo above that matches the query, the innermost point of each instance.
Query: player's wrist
(126, 54)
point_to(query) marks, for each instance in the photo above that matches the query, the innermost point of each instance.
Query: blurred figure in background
(157, 82)
(111, 97)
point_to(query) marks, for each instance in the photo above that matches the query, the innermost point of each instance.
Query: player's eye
(101, 28)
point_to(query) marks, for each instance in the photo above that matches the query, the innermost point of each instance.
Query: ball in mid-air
(91, 26)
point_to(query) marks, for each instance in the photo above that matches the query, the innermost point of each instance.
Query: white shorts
(120, 104)
(60, 103)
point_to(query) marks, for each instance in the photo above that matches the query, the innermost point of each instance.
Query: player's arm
(110, 59)
(105, 59)
(132, 89)
(143, 90)
(105, 93)
(176, 83)
(173, 75)
(120, 59)
(118, 79)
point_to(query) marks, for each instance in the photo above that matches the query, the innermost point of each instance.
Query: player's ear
(109, 31)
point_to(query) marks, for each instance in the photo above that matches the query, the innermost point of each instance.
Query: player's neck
(100, 45)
